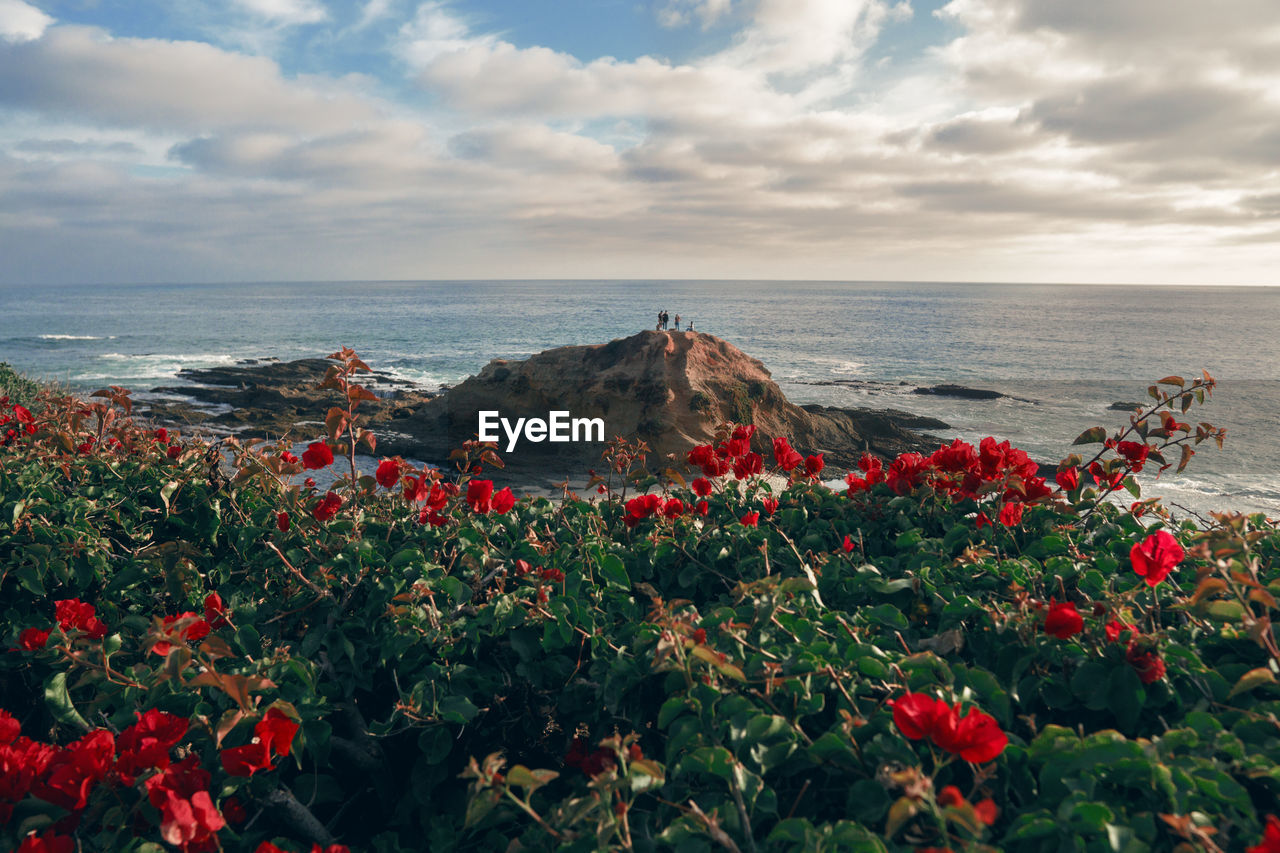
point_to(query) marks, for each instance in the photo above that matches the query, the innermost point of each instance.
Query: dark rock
(959, 391)
(1125, 407)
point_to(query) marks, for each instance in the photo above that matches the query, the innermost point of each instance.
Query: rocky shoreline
(671, 389)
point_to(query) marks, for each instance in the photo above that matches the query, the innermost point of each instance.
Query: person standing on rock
(677, 322)
(658, 328)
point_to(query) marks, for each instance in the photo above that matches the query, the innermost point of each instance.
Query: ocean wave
(151, 365)
(76, 337)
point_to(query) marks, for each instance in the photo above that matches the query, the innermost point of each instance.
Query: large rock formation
(671, 389)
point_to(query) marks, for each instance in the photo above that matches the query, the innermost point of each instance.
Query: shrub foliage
(205, 651)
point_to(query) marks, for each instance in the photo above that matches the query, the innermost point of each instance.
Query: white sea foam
(76, 337)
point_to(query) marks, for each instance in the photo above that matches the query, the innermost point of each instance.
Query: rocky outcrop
(671, 389)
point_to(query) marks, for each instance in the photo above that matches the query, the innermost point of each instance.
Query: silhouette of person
(677, 322)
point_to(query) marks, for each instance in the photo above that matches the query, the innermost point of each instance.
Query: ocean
(1062, 353)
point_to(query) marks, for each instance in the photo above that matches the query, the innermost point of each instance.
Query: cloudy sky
(974, 140)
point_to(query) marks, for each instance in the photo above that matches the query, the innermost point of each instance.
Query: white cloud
(21, 22)
(680, 13)
(287, 12)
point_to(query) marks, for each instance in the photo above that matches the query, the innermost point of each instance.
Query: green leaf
(59, 702)
(1251, 679)
(615, 573)
(1095, 435)
(458, 709)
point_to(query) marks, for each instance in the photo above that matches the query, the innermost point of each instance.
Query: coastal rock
(671, 389)
(1121, 406)
(959, 391)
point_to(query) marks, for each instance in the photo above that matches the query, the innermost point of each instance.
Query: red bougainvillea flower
(174, 451)
(744, 432)
(282, 522)
(1148, 664)
(673, 508)
(480, 495)
(328, 507)
(1114, 629)
(332, 848)
(215, 611)
(748, 465)
(1270, 838)
(785, 456)
(770, 505)
(1068, 479)
(72, 613)
(1155, 556)
(47, 842)
(701, 508)
(916, 714)
(975, 737)
(987, 811)
(591, 763)
(161, 434)
(317, 455)
(233, 811)
(950, 796)
(246, 760)
(1135, 452)
(751, 519)
(75, 771)
(147, 742)
(189, 824)
(276, 730)
(288, 457)
(1063, 621)
(32, 639)
(702, 487)
(813, 466)
(503, 500)
(848, 544)
(186, 627)
(388, 473)
(1011, 514)
(641, 507)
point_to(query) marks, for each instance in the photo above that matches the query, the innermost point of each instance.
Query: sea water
(1061, 353)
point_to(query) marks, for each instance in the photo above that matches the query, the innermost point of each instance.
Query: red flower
(1270, 838)
(47, 842)
(748, 465)
(784, 455)
(174, 451)
(701, 508)
(73, 773)
(673, 508)
(1134, 452)
(388, 473)
(1156, 556)
(950, 796)
(282, 522)
(848, 544)
(74, 613)
(189, 824)
(480, 495)
(268, 847)
(153, 729)
(987, 811)
(162, 434)
(1114, 629)
(770, 505)
(1011, 514)
(23, 414)
(744, 432)
(32, 639)
(1063, 621)
(276, 730)
(702, 487)
(1068, 479)
(288, 457)
(503, 500)
(699, 635)
(317, 455)
(328, 507)
(751, 519)
(813, 466)
(1148, 664)
(916, 714)
(233, 811)
(215, 611)
(183, 779)
(189, 628)
(246, 760)
(642, 507)
(976, 737)
(982, 521)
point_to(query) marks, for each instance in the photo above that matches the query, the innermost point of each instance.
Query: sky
(954, 140)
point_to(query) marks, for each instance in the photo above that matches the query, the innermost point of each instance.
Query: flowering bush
(203, 654)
